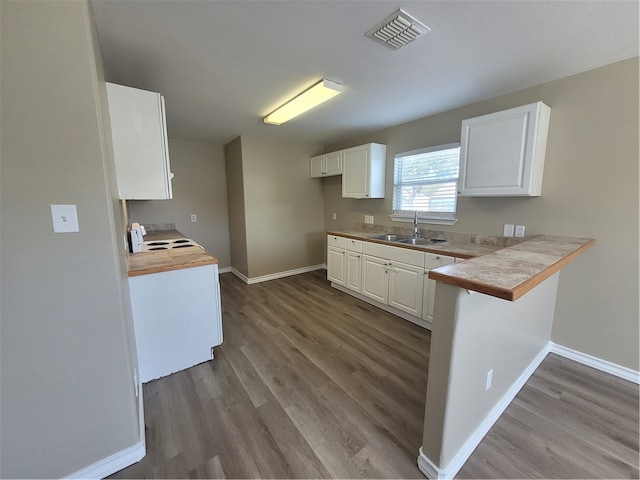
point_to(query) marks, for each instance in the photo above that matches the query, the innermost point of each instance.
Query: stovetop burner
(168, 244)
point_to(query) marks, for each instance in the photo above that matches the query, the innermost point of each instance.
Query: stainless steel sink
(390, 237)
(421, 241)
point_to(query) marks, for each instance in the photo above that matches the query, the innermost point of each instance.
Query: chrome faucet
(416, 229)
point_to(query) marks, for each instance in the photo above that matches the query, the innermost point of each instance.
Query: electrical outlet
(334, 215)
(371, 219)
(489, 380)
(507, 230)
(194, 217)
(520, 231)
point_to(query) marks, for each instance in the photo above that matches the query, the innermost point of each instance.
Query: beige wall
(590, 189)
(200, 187)
(474, 334)
(283, 207)
(235, 195)
(67, 392)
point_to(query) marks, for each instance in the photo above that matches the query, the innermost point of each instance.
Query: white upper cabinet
(502, 154)
(363, 171)
(326, 165)
(140, 148)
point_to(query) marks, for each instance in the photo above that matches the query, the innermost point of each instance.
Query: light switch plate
(507, 230)
(519, 231)
(65, 218)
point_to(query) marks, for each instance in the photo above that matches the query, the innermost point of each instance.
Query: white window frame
(438, 218)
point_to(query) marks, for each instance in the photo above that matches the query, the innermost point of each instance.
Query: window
(427, 180)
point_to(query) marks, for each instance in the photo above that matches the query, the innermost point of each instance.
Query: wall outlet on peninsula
(507, 230)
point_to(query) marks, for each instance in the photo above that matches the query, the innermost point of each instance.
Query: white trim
(597, 363)
(239, 275)
(426, 465)
(224, 269)
(434, 148)
(274, 276)
(395, 311)
(428, 468)
(114, 463)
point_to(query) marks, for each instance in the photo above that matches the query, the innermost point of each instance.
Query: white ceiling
(223, 65)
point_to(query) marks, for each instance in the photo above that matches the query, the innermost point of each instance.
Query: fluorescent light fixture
(310, 98)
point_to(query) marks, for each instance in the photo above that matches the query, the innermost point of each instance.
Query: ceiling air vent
(397, 30)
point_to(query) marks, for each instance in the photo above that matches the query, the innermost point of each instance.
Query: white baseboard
(597, 363)
(224, 269)
(274, 276)
(114, 463)
(122, 459)
(430, 470)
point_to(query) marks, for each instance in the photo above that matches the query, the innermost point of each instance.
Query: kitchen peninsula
(491, 327)
(175, 299)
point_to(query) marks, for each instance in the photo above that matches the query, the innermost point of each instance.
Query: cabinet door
(355, 172)
(406, 287)
(354, 271)
(140, 150)
(428, 296)
(336, 265)
(333, 163)
(429, 293)
(316, 166)
(375, 278)
(502, 154)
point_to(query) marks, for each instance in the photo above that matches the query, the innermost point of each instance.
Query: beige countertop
(145, 263)
(511, 272)
(503, 272)
(462, 250)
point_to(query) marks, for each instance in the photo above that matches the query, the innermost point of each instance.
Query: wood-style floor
(313, 383)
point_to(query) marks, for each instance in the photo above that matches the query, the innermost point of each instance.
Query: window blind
(427, 180)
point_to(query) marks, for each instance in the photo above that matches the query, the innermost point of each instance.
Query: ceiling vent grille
(398, 29)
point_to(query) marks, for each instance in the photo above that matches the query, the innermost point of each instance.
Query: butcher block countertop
(504, 272)
(145, 263)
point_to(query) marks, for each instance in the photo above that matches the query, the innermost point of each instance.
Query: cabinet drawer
(432, 261)
(395, 254)
(354, 245)
(335, 241)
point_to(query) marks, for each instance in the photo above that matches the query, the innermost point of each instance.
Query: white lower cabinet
(406, 287)
(429, 293)
(336, 265)
(375, 278)
(336, 259)
(177, 319)
(354, 265)
(393, 276)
